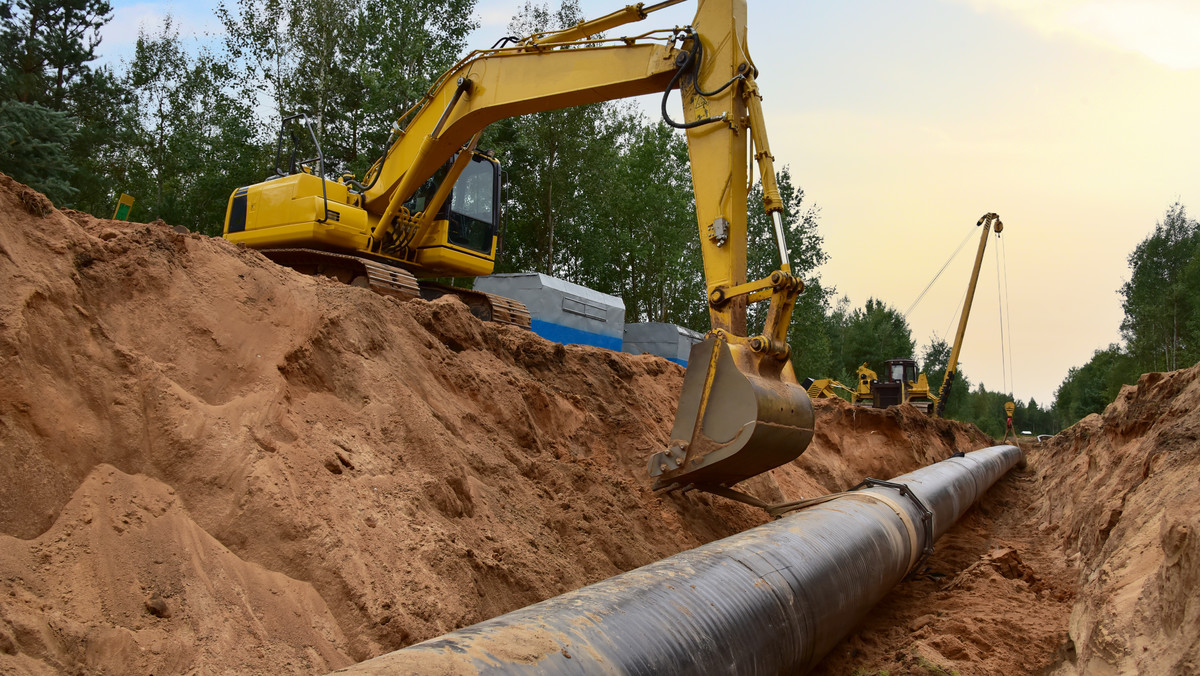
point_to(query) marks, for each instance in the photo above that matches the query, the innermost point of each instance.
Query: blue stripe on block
(569, 336)
(681, 362)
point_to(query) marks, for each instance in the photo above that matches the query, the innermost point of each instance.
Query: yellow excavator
(429, 207)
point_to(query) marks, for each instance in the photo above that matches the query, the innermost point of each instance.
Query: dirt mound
(211, 463)
(125, 577)
(1121, 499)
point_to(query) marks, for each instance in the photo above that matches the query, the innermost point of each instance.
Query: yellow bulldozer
(430, 207)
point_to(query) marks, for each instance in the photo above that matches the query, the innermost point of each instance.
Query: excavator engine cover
(740, 414)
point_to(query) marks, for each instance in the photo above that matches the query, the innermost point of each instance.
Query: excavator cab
(467, 222)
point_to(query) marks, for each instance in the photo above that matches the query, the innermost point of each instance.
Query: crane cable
(957, 311)
(1000, 311)
(1007, 314)
(961, 244)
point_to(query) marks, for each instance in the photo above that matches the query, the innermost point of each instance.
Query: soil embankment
(212, 464)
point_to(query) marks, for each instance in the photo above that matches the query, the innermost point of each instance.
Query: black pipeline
(771, 600)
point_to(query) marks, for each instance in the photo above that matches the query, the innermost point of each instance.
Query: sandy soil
(213, 463)
(1087, 561)
(210, 464)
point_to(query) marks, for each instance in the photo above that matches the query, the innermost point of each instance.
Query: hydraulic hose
(770, 600)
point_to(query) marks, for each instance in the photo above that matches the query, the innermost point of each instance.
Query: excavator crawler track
(390, 280)
(487, 306)
(381, 278)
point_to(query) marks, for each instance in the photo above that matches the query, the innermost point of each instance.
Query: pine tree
(47, 45)
(34, 142)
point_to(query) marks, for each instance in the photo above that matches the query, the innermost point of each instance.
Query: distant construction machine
(902, 384)
(824, 388)
(430, 208)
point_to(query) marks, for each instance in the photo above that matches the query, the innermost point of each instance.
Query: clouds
(1164, 31)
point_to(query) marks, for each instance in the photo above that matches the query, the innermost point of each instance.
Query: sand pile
(210, 463)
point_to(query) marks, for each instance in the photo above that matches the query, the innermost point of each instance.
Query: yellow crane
(990, 222)
(429, 207)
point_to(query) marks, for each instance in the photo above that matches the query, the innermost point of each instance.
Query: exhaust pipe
(770, 600)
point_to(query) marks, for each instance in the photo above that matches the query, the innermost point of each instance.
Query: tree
(555, 160)
(102, 108)
(873, 333)
(1090, 388)
(46, 49)
(259, 44)
(812, 352)
(47, 44)
(1160, 305)
(357, 66)
(1161, 327)
(398, 47)
(34, 143)
(188, 126)
(637, 227)
(935, 360)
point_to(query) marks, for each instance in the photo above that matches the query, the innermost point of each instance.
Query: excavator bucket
(740, 414)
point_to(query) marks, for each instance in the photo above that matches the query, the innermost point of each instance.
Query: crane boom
(987, 221)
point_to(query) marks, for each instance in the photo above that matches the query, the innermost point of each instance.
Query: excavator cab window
(910, 373)
(473, 207)
(897, 374)
(417, 203)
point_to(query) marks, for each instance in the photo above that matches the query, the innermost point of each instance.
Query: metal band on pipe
(914, 539)
(771, 600)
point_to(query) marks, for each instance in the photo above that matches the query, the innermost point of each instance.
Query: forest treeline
(1161, 327)
(598, 195)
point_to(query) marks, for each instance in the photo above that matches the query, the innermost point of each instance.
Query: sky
(1077, 121)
